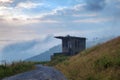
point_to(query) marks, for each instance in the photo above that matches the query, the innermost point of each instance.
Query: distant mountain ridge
(45, 56)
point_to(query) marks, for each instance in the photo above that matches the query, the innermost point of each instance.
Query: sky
(34, 22)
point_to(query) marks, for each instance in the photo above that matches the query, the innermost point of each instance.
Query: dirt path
(41, 73)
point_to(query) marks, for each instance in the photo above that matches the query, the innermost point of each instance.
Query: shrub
(57, 59)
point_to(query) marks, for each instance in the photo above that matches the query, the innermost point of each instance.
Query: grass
(57, 59)
(7, 70)
(107, 61)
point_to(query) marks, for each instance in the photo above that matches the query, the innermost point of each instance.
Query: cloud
(118, 6)
(25, 49)
(88, 9)
(93, 20)
(18, 51)
(5, 11)
(59, 14)
(71, 14)
(19, 47)
(6, 1)
(40, 20)
(95, 5)
(63, 14)
(29, 5)
(86, 15)
(54, 16)
(10, 16)
(16, 14)
(10, 33)
(112, 10)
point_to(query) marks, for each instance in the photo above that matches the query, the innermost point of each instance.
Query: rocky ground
(40, 73)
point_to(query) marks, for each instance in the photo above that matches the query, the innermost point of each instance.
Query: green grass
(107, 61)
(7, 70)
(57, 59)
(103, 63)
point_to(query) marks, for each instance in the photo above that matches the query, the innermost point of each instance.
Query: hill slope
(45, 56)
(101, 62)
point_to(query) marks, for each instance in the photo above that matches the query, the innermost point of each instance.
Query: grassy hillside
(58, 58)
(101, 62)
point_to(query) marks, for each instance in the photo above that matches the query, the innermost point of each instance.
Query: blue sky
(27, 20)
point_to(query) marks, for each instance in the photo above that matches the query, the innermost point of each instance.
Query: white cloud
(6, 1)
(79, 7)
(4, 11)
(11, 15)
(11, 34)
(29, 5)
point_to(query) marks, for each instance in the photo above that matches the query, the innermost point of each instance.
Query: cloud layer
(25, 49)
(6, 1)
(96, 4)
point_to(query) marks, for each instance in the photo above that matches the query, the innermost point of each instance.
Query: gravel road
(40, 73)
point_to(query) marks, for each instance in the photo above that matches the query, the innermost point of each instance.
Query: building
(72, 45)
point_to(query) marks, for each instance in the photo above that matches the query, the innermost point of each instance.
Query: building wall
(73, 46)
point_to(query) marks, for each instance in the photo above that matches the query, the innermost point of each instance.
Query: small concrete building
(72, 45)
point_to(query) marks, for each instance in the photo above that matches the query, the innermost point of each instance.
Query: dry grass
(101, 62)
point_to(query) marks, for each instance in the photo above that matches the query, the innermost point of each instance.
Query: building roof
(68, 36)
